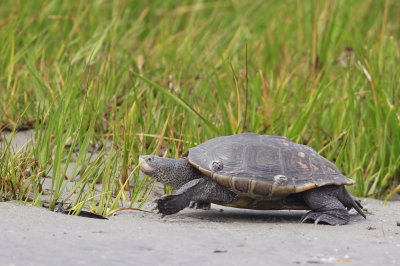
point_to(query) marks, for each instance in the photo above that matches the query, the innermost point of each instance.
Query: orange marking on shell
(302, 165)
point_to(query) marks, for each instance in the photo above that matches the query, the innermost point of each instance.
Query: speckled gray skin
(328, 204)
(172, 172)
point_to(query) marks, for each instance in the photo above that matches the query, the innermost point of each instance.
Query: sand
(220, 236)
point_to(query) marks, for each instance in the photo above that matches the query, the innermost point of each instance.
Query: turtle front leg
(327, 205)
(202, 205)
(200, 190)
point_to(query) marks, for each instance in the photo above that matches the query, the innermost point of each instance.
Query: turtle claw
(304, 219)
(317, 221)
(171, 204)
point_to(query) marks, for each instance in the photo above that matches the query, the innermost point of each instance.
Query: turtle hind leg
(331, 217)
(198, 190)
(328, 205)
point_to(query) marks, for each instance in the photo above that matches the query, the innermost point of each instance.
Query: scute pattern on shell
(252, 164)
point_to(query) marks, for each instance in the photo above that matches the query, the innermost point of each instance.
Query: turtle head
(173, 172)
(149, 164)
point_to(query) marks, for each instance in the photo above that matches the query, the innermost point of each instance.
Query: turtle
(252, 171)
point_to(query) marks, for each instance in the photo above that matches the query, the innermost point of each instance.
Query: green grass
(158, 78)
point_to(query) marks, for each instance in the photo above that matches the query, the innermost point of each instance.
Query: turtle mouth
(144, 166)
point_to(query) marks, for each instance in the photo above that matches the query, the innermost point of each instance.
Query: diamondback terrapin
(254, 171)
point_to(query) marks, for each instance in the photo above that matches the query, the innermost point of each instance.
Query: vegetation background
(102, 82)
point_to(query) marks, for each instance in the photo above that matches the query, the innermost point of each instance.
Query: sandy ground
(220, 236)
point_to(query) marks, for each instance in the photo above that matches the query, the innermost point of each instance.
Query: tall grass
(156, 77)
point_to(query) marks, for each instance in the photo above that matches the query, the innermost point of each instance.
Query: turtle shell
(264, 167)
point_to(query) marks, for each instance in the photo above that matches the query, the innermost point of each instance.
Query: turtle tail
(350, 202)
